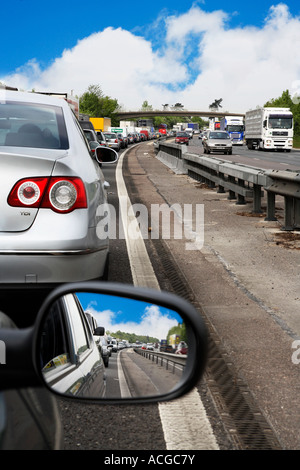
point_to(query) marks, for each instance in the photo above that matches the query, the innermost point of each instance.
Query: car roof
(29, 97)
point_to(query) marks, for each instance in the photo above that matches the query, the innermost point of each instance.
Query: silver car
(217, 141)
(92, 136)
(112, 140)
(51, 192)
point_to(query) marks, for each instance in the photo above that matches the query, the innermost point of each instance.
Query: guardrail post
(270, 207)
(257, 199)
(297, 213)
(231, 194)
(288, 214)
(287, 184)
(221, 188)
(240, 197)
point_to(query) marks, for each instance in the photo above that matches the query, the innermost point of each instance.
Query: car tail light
(60, 194)
(116, 141)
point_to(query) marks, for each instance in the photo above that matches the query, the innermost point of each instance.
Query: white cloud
(244, 66)
(152, 322)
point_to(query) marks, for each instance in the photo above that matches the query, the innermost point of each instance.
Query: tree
(179, 330)
(94, 103)
(178, 106)
(146, 106)
(285, 101)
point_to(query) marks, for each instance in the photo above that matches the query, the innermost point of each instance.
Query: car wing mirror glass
(106, 155)
(99, 331)
(69, 358)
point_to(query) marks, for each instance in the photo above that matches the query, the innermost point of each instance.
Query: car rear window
(32, 125)
(89, 135)
(219, 135)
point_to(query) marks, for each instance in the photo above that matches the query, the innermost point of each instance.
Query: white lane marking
(141, 267)
(125, 393)
(184, 420)
(185, 424)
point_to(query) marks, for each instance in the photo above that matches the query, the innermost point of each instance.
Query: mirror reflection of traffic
(86, 352)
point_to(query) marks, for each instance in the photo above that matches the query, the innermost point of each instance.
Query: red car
(182, 348)
(182, 138)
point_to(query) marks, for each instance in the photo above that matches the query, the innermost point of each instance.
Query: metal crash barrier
(287, 184)
(239, 180)
(167, 360)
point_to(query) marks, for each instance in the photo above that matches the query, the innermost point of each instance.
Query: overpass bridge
(128, 115)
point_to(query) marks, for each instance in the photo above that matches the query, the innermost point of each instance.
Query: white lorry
(235, 127)
(269, 128)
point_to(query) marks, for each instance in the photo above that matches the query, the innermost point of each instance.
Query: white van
(189, 131)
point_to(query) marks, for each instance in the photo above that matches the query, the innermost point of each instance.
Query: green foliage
(285, 101)
(296, 141)
(180, 330)
(146, 106)
(94, 103)
(132, 337)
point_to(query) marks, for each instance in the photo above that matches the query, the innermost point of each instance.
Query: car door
(72, 364)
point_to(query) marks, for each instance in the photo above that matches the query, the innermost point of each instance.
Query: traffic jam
(91, 317)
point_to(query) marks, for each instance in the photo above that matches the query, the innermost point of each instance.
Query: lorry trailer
(269, 129)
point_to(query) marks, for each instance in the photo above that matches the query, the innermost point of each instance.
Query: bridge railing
(242, 182)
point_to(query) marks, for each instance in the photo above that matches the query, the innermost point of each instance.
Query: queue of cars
(115, 140)
(105, 343)
(212, 141)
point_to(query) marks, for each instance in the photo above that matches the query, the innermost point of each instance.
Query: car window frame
(81, 133)
(80, 356)
(58, 372)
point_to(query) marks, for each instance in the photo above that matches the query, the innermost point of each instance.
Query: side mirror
(99, 331)
(106, 155)
(69, 363)
(60, 352)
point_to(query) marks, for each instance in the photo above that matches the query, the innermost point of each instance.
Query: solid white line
(185, 424)
(184, 421)
(125, 393)
(141, 267)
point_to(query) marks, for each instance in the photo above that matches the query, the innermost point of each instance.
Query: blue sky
(163, 52)
(35, 29)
